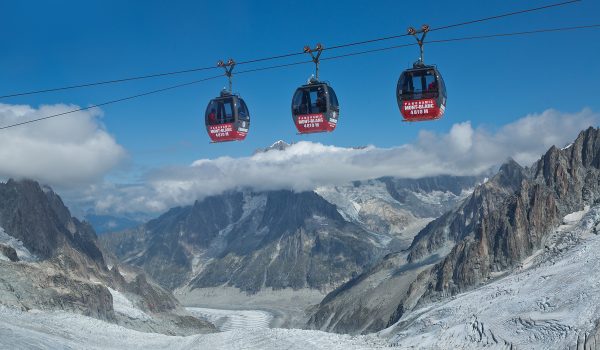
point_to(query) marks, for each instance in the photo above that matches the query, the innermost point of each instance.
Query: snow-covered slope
(61, 330)
(552, 301)
(122, 305)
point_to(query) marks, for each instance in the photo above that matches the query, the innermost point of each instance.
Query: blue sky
(490, 83)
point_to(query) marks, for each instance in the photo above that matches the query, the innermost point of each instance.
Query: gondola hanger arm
(228, 67)
(420, 39)
(315, 57)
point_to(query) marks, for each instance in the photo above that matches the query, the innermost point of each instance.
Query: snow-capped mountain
(502, 223)
(282, 239)
(279, 145)
(398, 208)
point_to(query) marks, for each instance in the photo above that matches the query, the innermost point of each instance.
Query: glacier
(551, 301)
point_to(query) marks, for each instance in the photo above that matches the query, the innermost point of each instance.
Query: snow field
(125, 307)
(227, 320)
(61, 330)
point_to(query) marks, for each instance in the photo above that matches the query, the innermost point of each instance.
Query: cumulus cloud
(463, 150)
(65, 151)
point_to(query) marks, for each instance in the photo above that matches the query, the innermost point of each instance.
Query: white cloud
(464, 150)
(65, 151)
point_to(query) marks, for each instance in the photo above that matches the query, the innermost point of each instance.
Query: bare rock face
(502, 239)
(37, 217)
(301, 241)
(276, 239)
(83, 297)
(154, 299)
(9, 252)
(66, 269)
(588, 340)
(460, 222)
(169, 242)
(44, 286)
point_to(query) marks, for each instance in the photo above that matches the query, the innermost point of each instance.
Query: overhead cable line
(504, 15)
(111, 102)
(456, 24)
(489, 36)
(591, 26)
(193, 70)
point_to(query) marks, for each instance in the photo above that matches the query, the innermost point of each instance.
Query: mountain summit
(276, 146)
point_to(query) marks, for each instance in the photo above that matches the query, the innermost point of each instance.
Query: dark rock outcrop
(161, 246)
(153, 299)
(9, 252)
(38, 217)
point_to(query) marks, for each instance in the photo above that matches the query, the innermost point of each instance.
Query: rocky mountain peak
(511, 169)
(279, 145)
(505, 229)
(587, 145)
(287, 210)
(503, 222)
(52, 261)
(38, 217)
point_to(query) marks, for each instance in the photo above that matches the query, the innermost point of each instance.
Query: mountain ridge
(54, 263)
(499, 225)
(283, 239)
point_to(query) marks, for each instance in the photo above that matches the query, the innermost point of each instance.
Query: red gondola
(315, 106)
(421, 92)
(227, 117)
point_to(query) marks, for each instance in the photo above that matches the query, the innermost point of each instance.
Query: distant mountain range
(274, 240)
(283, 239)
